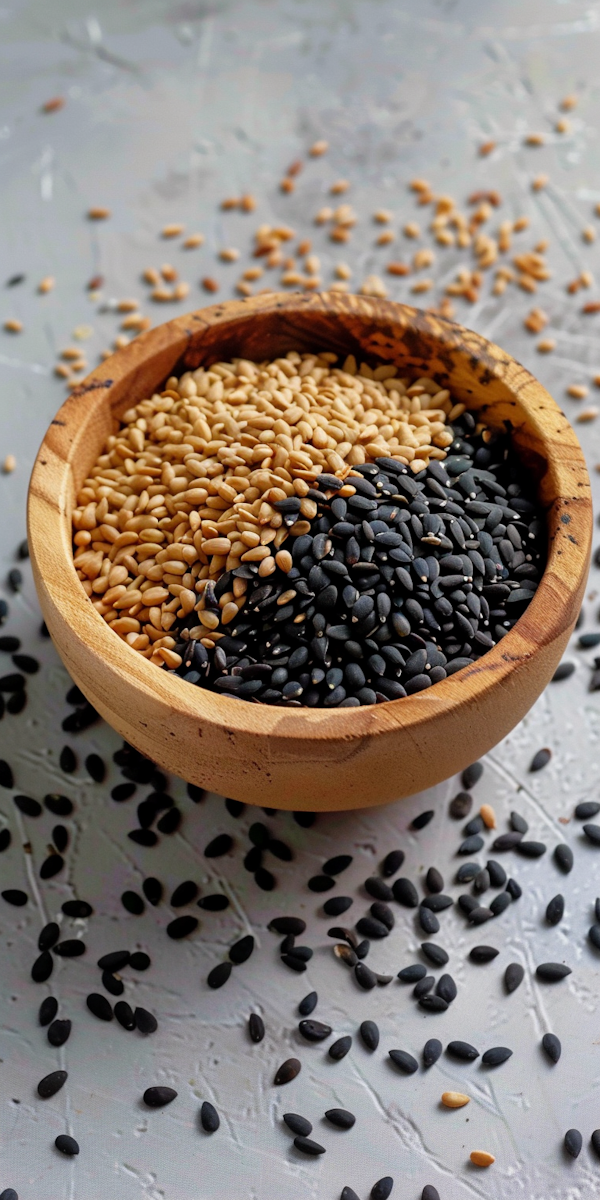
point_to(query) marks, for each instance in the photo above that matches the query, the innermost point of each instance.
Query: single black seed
(563, 671)
(51, 1084)
(461, 806)
(112, 984)
(422, 820)
(537, 849)
(370, 927)
(145, 1021)
(428, 920)
(321, 883)
(139, 961)
(446, 988)
(463, 1051)
(514, 889)
(592, 833)
(383, 1188)
(197, 794)
(500, 903)
(540, 760)
(99, 1006)
(518, 823)
(185, 893)
(209, 1117)
(308, 1004)
(5, 839)
(181, 927)
(337, 905)
(143, 837)
(483, 954)
(28, 806)
(66, 1144)
(595, 1140)
(6, 775)
(170, 821)
(123, 791)
(335, 866)
(48, 1009)
(124, 1014)
(496, 1056)
(436, 954)
(16, 897)
(392, 862)
(60, 838)
(555, 909)
(471, 775)
(431, 1052)
(256, 1028)
(340, 1117)
(365, 977)
(9, 1194)
(430, 1192)
(42, 967)
(369, 1033)
(219, 846)
(287, 1071)
(587, 809)
(481, 914)
(307, 1146)
(551, 1047)
(412, 974)
(297, 1124)
(340, 1048)
(496, 873)
(405, 893)
(404, 1060)
(467, 872)
(378, 888)
(77, 908)
(423, 987)
(67, 760)
(61, 806)
(51, 866)
(70, 948)
(214, 903)
(153, 890)
(241, 951)
(133, 903)
(58, 1032)
(573, 1142)
(434, 881)
(114, 961)
(594, 935)
(552, 972)
(158, 1097)
(471, 845)
(95, 768)
(49, 936)
(433, 1003)
(219, 975)
(314, 1031)
(507, 841)
(285, 925)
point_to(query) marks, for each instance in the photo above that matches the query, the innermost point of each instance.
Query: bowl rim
(49, 530)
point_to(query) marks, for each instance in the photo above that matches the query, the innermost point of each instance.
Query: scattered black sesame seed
(404, 1061)
(287, 1071)
(573, 1142)
(219, 975)
(540, 760)
(51, 1084)
(158, 1097)
(66, 1144)
(99, 1006)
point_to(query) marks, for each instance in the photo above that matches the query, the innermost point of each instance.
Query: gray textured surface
(170, 107)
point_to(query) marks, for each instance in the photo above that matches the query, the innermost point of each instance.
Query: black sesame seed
(392, 862)
(463, 1051)
(471, 845)
(145, 1021)
(70, 948)
(369, 1033)
(124, 1014)
(307, 1146)
(340, 1117)
(587, 809)
(77, 908)
(434, 881)
(507, 841)
(99, 1006)
(219, 846)
(214, 903)
(139, 961)
(47, 1010)
(436, 954)
(552, 972)
(182, 927)
(551, 1047)
(337, 905)
(49, 936)
(365, 977)
(433, 1003)
(58, 1032)
(555, 909)
(219, 975)
(422, 820)
(430, 1192)
(308, 1004)
(537, 849)
(496, 1056)
(158, 1097)
(185, 893)
(413, 973)
(209, 1117)
(340, 1048)
(51, 1084)
(573, 1142)
(382, 1189)
(431, 1052)
(153, 890)
(378, 888)
(595, 1140)
(285, 925)
(321, 883)
(471, 775)
(287, 1071)
(241, 950)
(461, 806)
(28, 806)
(298, 1125)
(405, 893)
(95, 768)
(67, 760)
(42, 967)
(446, 988)
(404, 1061)
(15, 897)
(5, 839)
(256, 1028)
(66, 1144)
(540, 760)
(114, 961)
(6, 775)
(61, 806)
(334, 866)
(314, 1031)
(133, 903)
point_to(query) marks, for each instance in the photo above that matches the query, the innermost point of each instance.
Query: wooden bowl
(307, 758)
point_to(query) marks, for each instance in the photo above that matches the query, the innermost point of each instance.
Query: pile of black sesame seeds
(393, 589)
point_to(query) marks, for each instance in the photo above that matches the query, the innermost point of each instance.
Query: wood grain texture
(302, 758)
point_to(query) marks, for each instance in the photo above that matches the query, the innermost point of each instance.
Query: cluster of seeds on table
(372, 584)
(480, 888)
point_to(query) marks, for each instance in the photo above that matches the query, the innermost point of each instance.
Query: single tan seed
(46, 284)
(151, 276)
(373, 286)
(192, 241)
(535, 139)
(454, 1099)
(562, 125)
(577, 391)
(209, 284)
(569, 102)
(82, 332)
(247, 202)
(318, 148)
(287, 185)
(422, 285)
(488, 816)
(229, 254)
(546, 346)
(230, 202)
(62, 370)
(587, 414)
(284, 560)
(169, 273)
(536, 320)
(398, 268)
(539, 183)
(54, 104)
(9, 464)
(171, 231)
(11, 325)
(343, 271)
(588, 234)
(486, 148)
(382, 216)
(98, 214)
(386, 238)
(481, 1158)
(411, 230)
